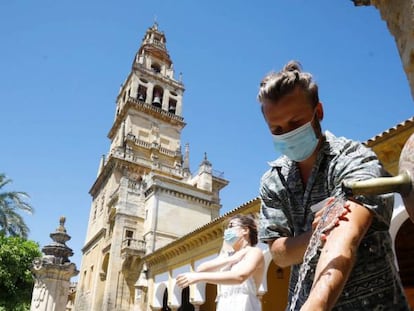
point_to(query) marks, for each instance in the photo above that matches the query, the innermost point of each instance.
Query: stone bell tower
(145, 195)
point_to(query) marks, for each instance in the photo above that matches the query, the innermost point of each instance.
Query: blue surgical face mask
(231, 236)
(297, 145)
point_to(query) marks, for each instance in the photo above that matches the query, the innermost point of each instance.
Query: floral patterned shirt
(374, 282)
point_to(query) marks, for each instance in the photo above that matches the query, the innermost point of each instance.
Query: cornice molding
(388, 144)
(93, 240)
(140, 68)
(147, 109)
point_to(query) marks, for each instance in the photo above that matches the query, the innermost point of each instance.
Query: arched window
(404, 249)
(157, 95)
(156, 67)
(172, 105)
(142, 93)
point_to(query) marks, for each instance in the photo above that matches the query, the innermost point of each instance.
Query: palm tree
(11, 223)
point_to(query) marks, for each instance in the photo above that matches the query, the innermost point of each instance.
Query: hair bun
(293, 65)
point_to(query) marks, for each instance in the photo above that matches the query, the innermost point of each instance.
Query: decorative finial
(205, 161)
(58, 249)
(186, 162)
(62, 221)
(155, 23)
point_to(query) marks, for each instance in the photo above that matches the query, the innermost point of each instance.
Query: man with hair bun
(354, 269)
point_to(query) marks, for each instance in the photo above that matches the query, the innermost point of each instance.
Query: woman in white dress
(238, 272)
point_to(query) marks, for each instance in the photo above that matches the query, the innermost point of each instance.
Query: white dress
(240, 297)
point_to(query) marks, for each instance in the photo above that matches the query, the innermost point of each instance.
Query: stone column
(141, 290)
(52, 273)
(399, 15)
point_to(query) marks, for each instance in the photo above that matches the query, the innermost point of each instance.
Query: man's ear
(319, 111)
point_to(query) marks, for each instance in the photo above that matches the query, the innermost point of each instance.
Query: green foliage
(11, 202)
(16, 281)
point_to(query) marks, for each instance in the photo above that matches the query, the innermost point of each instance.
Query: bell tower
(145, 195)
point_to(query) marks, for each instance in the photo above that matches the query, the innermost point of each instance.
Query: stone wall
(398, 14)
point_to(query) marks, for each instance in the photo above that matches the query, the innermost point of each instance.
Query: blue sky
(62, 62)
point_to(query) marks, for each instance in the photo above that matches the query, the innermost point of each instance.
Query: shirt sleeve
(274, 222)
(357, 163)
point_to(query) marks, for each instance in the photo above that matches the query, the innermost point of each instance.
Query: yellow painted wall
(277, 288)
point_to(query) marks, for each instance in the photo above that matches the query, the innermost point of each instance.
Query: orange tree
(16, 281)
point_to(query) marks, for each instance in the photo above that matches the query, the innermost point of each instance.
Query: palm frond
(11, 202)
(14, 224)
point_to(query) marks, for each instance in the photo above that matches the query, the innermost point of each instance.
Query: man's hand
(333, 219)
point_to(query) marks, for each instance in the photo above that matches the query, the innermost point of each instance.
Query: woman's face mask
(297, 145)
(231, 236)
